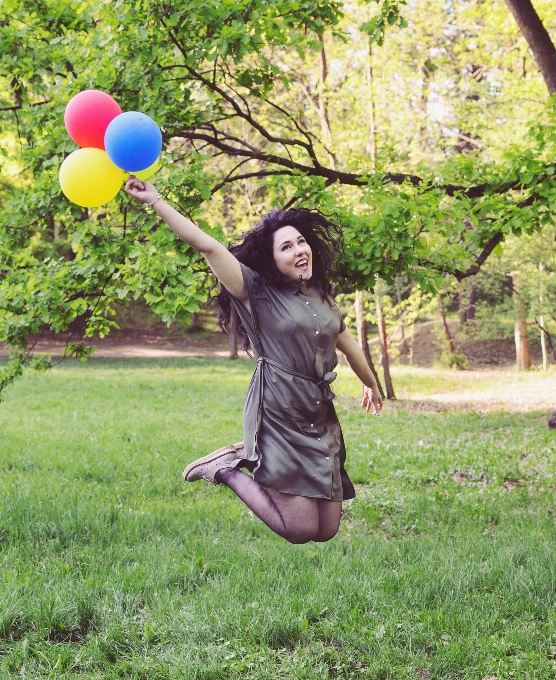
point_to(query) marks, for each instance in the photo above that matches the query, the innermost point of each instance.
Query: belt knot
(324, 384)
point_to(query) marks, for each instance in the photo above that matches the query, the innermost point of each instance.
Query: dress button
(312, 425)
(306, 303)
(317, 332)
(314, 314)
(318, 439)
(318, 402)
(327, 458)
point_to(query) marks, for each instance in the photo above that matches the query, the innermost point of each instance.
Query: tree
(362, 336)
(246, 92)
(537, 38)
(544, 52)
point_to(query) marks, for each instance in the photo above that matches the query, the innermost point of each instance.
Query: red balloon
(87, 116)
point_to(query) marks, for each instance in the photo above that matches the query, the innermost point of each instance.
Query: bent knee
(299, 538)
(310, 532)
(324, 536)
(301, 534)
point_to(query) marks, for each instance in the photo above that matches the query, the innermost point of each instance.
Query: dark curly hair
(255, 250)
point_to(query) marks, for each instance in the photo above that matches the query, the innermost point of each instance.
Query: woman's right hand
(371, 400)
(142, 191)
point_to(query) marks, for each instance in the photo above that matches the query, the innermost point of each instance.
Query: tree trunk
(194, 325)
(55, 227)
(522, 354)
(402, 317)
(323, 109)
(546, 334)
(384, 346)
(467, 300)
(447, 333)
(541, 322)
(543, 344)
(411, 343)
(471, 302)
(537, 38)
(462, 304)
(363, 337)
(372, 150)
(544, 52)
(371, 138)
(233, 337)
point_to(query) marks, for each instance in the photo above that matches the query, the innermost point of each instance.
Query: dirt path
(146, 343)
(485, 391)
(146, 348)
(480, 389)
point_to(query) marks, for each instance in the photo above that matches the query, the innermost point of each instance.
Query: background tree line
(427, 130)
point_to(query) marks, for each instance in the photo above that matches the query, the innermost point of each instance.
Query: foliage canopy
(424, 129)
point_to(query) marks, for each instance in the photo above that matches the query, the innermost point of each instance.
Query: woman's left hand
(142, 191)
(371, 400)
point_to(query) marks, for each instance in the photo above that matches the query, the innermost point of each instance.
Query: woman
(275, 291)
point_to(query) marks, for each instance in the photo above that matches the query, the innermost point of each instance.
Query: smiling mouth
(302, 263)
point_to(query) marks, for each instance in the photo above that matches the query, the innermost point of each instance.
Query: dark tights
(295, 518)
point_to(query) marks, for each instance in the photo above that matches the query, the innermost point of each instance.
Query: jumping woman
(275, 291)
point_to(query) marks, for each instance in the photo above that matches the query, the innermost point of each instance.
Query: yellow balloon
(147, 173)
(89, 178)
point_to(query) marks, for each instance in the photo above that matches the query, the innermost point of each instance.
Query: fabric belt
(324, 383)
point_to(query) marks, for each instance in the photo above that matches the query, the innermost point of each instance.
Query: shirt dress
(292, 436)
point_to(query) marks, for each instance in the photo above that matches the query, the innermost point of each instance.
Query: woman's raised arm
(224, 265)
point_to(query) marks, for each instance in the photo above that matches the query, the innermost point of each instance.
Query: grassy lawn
(110, 568)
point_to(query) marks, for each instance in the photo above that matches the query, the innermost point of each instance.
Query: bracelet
(155, 200)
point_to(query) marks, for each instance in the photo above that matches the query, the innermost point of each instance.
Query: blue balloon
(133, 141)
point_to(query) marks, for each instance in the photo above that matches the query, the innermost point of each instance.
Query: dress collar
(295, 288)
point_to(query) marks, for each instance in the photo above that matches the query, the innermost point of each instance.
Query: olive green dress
(292, 435)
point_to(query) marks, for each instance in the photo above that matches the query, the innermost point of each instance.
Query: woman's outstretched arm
(356, 359)
(224, 265)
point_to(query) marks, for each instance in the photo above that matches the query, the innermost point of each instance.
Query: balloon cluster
(112, 144)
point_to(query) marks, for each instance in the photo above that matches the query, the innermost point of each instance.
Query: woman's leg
(294, 518)
(330, 513)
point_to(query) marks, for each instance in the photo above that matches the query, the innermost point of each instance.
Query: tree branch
(320, 171)
(487, 250)
(537, 38)
(21, 106)
(213, 87)
(353, 179)
(317, 169)
(247, 175)
(305, 133)
(218, 133)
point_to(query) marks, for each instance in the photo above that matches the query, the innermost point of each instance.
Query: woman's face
(292, 255)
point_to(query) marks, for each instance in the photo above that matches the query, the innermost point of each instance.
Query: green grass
(111, 568)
